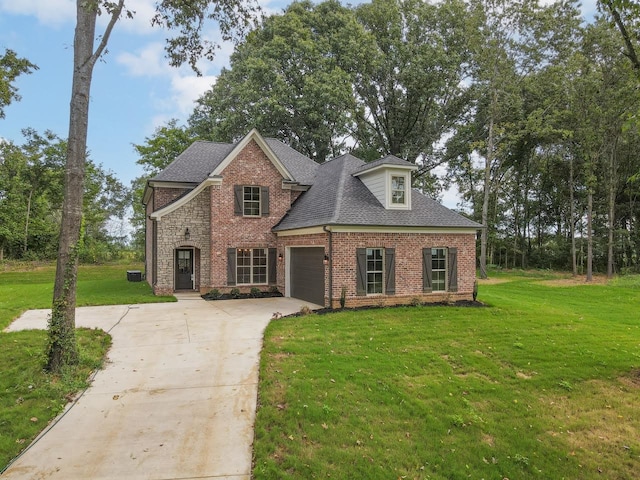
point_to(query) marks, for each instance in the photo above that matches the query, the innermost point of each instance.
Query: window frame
(403, 203)
(371, 285)
(251, 201)
(442, 273)
(254, 270)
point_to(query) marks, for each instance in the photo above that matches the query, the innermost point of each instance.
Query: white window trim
(382, 271)
(251, 267)
(446, 269)
(389, 192)
(259, 201)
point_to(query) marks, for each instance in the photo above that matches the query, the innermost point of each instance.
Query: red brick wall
(164, 196)
(408, 248)
(250, 167)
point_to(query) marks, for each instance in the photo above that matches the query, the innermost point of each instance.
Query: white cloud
(187, 89)
(147, 62)
(48, 12)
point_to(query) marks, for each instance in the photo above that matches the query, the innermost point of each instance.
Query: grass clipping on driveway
(542, 383)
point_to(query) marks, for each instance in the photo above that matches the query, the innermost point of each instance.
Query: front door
(184, 269)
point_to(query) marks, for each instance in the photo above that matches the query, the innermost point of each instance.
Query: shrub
(255, 292)
(215, 293)
(235, 293)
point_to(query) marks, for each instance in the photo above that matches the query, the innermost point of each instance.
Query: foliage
(525, 387)
(31, 185)
(29, 397)
(11, 67)
(291, 79)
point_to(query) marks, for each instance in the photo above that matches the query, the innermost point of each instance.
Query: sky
(134, 89)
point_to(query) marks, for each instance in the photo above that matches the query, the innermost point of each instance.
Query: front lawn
(542, 383)
(29, 397)
(28, 286)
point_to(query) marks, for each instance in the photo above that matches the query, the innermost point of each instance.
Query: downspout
(324, 227)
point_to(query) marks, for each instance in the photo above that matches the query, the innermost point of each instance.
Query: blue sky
(133, 92)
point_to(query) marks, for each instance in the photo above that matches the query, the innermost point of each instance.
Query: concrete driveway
(176, 400)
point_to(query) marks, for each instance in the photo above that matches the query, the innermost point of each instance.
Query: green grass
(29, 397)
(542, 383)
(27, 286)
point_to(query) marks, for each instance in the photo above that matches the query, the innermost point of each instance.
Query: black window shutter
(361, 271)
(390, 271)
(426, 271)
(264, 200)
(238, 191)
(273, 266)
(231, 266)
(453, 269)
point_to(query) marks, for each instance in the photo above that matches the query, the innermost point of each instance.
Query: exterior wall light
(280, 257)
(326, 260)
(187, 234)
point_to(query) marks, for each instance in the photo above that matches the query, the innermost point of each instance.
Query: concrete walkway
(176, 400)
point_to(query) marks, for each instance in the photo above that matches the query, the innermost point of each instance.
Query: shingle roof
(339, 198)
(336, 196)
(196, 163)
(302, 168)
(391, 160)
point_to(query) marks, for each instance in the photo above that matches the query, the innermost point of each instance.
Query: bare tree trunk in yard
(572, 216)
(62, 348)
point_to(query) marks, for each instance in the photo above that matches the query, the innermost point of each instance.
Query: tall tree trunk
(484, 237)
(62, 344)
(612, 207)
(589, 236)
(25, 245)
(572, 216)
(62, 348)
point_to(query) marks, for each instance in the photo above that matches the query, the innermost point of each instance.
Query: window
(375, 269)
(398, 190)
(439, 269)
(251, 201)
(251, 264)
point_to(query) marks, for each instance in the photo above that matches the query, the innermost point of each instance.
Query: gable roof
(388, 161)
(337, 197)
(204, 159)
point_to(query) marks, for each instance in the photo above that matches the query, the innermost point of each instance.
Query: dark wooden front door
(184, 269)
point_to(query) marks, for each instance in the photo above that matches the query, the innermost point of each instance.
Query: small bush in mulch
(235, 294)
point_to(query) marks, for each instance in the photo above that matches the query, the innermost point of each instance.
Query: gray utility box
(134, 275)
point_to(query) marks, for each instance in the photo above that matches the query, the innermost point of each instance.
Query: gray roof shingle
(201, 158)
(339, 198)
(336, 196)
(196, 163)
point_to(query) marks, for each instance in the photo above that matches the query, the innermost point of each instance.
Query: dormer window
(389, 179)
(398, 190)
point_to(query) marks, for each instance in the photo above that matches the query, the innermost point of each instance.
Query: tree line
(531, 111)
(31, 196)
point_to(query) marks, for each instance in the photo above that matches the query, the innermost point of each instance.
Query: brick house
(260, 214)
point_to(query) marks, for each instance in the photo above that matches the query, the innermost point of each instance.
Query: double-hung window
(439, 269)
(251, 201)
(375, 270)
(398, 190)
(251, 265)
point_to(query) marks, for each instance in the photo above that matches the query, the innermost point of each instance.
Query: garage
(307, 274)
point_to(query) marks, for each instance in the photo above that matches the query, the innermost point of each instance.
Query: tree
(158, 151)
(11, 67)
(233, 16)
(625, 15)
(411, 90)
(291, 79)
